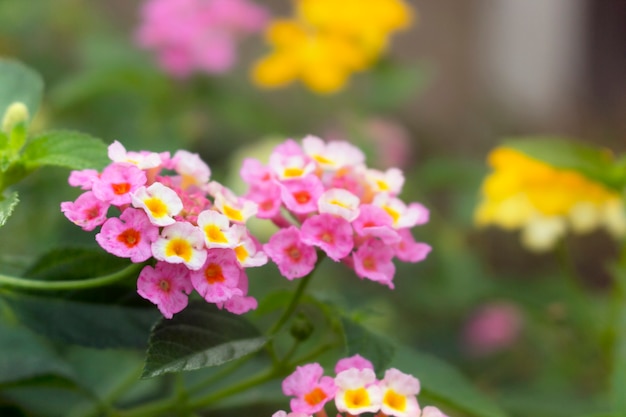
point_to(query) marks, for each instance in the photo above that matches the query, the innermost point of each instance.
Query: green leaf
(24, 358)
(7, 204)
(85, 324)
(392, 85)
(200, 336)
(65, 149)
(595, 163)
(618, 375)
(442, 383)
(373, 347)
(19, 83)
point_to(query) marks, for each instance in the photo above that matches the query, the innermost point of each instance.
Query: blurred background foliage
(463, 77)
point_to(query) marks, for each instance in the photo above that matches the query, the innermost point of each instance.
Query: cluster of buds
(322, 195)
(165, 207)
(355, 390)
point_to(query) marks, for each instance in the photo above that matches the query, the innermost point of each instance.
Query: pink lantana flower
(240, 304)
(216, 281)
(254, 172)
(193, 170)
(301, 195)
(160, 203)
(357, 361)
(399, 391)
(357, 391)
(267, 196)
(310, 388)
(330, 233)
(293, 258)
(197, 35)
(373, 221)
(373, 260)
(181, 242)
(430, 411)
(165, 285)
(238, 210)
(129, 236)
(408, 250)
(390, 181)
(117, 182)
(87, 211)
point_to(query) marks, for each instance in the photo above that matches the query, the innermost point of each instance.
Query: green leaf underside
(7, 205)
(24, 358)
(19, 83)
(85, 324)
(367, 344)
(200, 336)
(65, 149)
(444, 384)
(593, 162)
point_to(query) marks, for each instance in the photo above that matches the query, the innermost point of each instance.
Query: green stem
(30, 284)
(294, 300)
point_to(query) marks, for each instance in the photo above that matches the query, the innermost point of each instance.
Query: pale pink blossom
(87, 211)
(300, 195)
(197, 35)
(390, 181)
(293, 258)
(217, 280)
(129, 236)
(291, 166)
(143, 160)
(117, 182)
(430, 411)
(192, 169)
(332, 155)
(181, 242)
(492, 327)
(408, 250)
(356, 361)
(310, 388)
(254, 172)
(282, 413)
(160, 203)
(403, 215)
(218, 232)
(165, 285)
(332, 234)
(398, 394)
(339, 202)
(357, 391)
(373, 260)
(238, 210)
(247, 249)
(83, 178)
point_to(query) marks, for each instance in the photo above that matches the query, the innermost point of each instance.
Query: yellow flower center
(242, 253)
(214, 234)
(395, 400)
(179, 247)
(233, 213)
(156, 206)
(357, 398)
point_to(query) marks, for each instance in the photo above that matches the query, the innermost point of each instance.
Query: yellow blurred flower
(544, 202)
(328, 41)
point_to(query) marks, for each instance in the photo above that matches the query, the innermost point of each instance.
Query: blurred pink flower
(197, 35)
(491, 328)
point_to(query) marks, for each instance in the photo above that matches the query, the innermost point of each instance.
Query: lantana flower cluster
(323, 196)
(198, 35)
(326, 41)
(354, 390)
(544, 202)
(165, 208)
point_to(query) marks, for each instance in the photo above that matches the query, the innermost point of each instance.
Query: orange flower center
(315, 397)
(302, 197)
(129, 237)
(121, 188)
(213, 274)
(294, 253)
